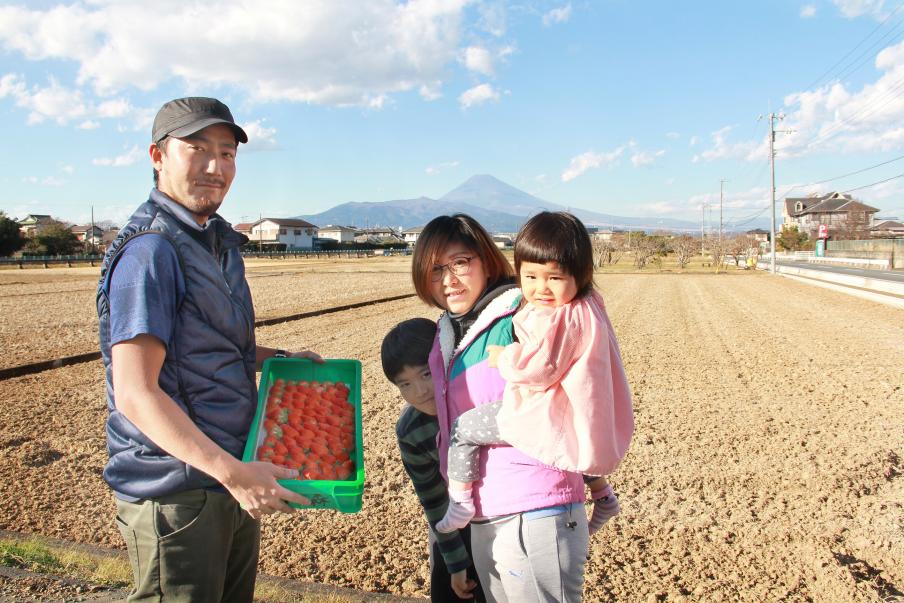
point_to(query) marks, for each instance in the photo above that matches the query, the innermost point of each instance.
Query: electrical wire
(850, 190)
(852, 50)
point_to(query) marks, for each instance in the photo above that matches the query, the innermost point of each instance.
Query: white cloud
(333, 52)
(669, 181)
(672, 135)
(590, 160)
(260, 137)
(52, 181)
(557, 15)
(478, 59)
(663, 207)
(642, 158)
(127, 158)
(807, 11)
(431, 91)
(48, 181)
(723, 149)
(857, 8)
(477, 96)
(693, 141)
(833, 117)
(67, 169)
(493, 18)
(433, 170)
(62, 104)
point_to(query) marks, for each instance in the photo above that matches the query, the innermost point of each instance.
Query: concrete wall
(878, 249)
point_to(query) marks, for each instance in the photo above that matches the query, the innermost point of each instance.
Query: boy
(404, 356)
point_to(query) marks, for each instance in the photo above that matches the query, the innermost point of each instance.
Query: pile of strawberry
(310, 427)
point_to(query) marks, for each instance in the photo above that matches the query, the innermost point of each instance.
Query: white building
(410, 235)
(282, 233)
(343, 234)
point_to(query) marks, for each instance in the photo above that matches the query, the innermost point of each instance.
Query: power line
(868, 109)
(852, 50)
(866, 169)
(873, 184)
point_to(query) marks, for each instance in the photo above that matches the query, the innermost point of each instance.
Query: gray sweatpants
(471, 430)
(521, 559)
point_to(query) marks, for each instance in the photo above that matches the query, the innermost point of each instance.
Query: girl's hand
(493, 352)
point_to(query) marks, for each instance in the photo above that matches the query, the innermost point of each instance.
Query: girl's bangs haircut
(557, 237)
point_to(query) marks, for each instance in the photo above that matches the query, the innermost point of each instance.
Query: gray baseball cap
(185, 116)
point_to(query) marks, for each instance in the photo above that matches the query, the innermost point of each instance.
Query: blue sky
(634, 109)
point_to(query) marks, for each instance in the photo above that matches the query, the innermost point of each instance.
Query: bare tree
(645, 249)
(607, 252)
(716, 249)
(685, 247)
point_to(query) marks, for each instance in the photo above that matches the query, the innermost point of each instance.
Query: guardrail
(51, 260)
(335, 253)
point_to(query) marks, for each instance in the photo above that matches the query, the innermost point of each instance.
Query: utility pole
(772, 131)
(721, 183)
(703, 230)
(93, 240)
(772, 193)
(260, 234)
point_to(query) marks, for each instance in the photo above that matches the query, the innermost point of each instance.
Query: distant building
(282, 233)
(342, 234)
(243, 228)
(601, 234)
(887, 229)
(33, 224)
(759, 234)
(91, 234)
(410, 235)
(842, 214)
(380, 232)
(503, 242)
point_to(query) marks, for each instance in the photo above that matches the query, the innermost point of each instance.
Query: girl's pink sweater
(567, 401)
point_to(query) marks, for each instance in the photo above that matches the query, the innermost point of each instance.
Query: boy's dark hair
(407, 344)
(557, 237)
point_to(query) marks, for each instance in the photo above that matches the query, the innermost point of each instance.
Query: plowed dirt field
(766, 465)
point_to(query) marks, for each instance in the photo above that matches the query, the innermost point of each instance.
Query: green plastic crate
(343, 495)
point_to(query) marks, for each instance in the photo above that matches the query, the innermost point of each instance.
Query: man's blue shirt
(145, 290)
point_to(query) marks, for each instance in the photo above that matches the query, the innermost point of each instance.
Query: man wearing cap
(178, 343)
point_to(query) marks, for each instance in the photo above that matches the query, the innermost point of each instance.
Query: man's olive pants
(196, 545)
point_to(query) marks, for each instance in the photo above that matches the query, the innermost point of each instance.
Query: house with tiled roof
(887, 229)
(410, 235)
(342, 234)
(282, 234)
(32, 224)
(841, 213)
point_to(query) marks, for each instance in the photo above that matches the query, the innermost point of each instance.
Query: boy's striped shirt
(416, 434)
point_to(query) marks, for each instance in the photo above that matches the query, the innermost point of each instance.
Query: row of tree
(55, 238)
(646, 249)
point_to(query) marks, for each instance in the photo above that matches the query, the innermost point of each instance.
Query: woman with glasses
(529, 537)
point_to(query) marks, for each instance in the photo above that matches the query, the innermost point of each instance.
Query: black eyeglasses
(459, 267)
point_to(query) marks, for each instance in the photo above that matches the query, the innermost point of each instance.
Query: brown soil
(766, 465)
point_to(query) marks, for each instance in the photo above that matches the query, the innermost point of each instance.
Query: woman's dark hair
(407, 344)
(557, 237)
(458, 228)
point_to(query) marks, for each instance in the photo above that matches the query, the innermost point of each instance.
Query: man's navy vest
(209, 369)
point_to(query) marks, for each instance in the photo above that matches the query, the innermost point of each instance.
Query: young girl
(567, 401)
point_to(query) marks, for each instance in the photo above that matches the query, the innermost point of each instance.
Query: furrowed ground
(766, 464)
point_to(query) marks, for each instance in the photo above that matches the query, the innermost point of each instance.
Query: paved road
(895, 276)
